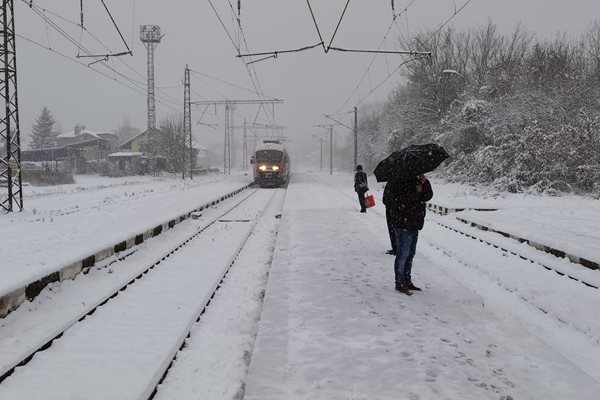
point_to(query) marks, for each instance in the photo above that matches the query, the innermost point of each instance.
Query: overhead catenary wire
(456, 12)
(249, 68)
(383, 41)
(133, 88)
(224, 81)
(99, 58)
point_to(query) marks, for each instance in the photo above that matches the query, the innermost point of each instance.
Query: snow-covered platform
(333, 327)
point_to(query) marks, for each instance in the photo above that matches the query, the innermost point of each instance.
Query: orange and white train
(271, 164)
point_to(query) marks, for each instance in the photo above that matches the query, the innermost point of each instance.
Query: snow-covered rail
(539, 246)
(11, 300)
(139, 331)
(515, 271)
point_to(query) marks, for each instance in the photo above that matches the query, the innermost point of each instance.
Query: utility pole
(10, 133)
(321, 154)
(355, 137)
(229, 125)
(245, 149)
(187, 125)
(331, 150)
(150, 36)
(330, 126)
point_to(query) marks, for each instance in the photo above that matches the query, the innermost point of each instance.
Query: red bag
(369, 201)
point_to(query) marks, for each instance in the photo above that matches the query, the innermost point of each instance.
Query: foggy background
(311, 83)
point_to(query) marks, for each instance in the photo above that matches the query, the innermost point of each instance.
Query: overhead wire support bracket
(117, 28)
(106, 56)
(275, 53)
(412, 53)
(97, 61)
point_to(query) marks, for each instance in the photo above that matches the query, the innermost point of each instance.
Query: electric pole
(321, 154)
(245, 149)
(187, 125)
(330, 126)
(331, 150)
(150, 36)
(355, 137)
(10, 132)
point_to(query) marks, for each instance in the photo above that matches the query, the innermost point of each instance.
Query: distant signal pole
(150, 35)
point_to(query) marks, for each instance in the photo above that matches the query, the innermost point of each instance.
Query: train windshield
(269, 156)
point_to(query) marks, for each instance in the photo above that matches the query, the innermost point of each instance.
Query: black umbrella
(411, 161)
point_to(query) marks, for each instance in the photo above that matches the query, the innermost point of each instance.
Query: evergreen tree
(43, 135)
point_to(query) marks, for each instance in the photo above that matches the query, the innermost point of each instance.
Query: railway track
(227, 230)
(541, 285)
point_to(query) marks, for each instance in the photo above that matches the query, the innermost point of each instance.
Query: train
(271, 164)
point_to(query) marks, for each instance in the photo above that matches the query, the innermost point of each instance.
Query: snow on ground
(568, 223)
(39, 240)
(333, 327)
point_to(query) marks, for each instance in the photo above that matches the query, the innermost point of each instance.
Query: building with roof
(93, 147)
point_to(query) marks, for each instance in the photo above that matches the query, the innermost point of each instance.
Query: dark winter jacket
(360, 182)
(405, 205)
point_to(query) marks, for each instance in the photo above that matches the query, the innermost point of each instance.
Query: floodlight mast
(150, 35)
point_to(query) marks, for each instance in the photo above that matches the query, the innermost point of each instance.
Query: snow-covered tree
(43, 135)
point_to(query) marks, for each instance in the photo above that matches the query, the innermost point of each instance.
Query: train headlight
(263, 167)
(275, 168)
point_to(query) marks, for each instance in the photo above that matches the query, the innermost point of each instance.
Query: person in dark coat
(405, 204)
(361, 187)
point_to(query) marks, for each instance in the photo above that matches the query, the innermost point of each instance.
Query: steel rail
(26, 357)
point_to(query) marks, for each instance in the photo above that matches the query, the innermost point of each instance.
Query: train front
(269, 167)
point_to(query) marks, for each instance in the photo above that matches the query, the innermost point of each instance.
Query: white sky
(311, 83)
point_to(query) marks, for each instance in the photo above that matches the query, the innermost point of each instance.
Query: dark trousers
(406, 240)
(390, 229)
(361, 199)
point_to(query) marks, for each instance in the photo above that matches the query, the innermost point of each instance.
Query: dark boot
(403, 289)
(413, 287)
(391, 252)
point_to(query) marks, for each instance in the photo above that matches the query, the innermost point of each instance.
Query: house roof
(125, 143)
(126, 154)
(84, 131)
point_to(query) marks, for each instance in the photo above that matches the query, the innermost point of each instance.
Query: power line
(448, 20)
(38, 10)
(224, 82)
(133, 88)
(254, 79)
(386, 79)
(364, 75)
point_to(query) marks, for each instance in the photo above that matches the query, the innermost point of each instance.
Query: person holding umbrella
(404, 197)
(405, 207)
(361, 187)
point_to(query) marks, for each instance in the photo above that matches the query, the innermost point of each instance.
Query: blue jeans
(406, 246)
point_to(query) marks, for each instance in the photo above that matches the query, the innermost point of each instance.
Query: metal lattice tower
(150, 36)
(187, 125)
(10, 141)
